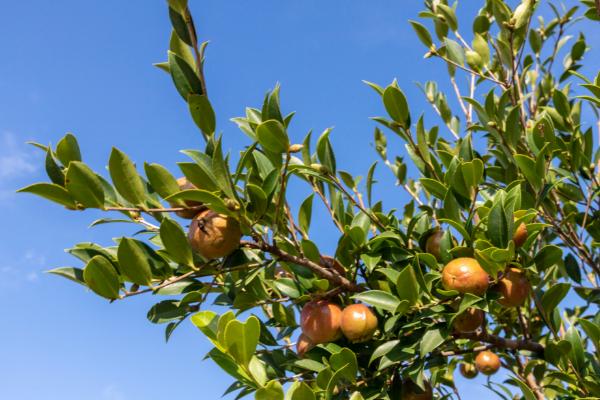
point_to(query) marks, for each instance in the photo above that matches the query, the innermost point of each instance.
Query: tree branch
(498, 341)
(330, 274)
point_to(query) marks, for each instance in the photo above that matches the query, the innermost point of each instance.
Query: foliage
(518, 149)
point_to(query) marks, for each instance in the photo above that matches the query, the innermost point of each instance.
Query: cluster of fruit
(215, 235)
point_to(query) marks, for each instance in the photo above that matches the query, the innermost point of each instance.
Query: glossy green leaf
(133, 261)
(84, 185)
(52, 192)
(272, 136)
(202, 113)
(176, 243)
(100, 276)
(71, 273)
(125, 177)
(379, 299)
(67, 149)
(272, 391)
(396, 105)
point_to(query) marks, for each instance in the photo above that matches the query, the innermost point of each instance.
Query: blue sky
(86, 67)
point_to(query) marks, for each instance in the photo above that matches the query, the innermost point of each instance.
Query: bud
(233, 205)
(295, 148)
(320, 168)
(474, 60)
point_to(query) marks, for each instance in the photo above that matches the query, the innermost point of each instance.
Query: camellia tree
(470, 277)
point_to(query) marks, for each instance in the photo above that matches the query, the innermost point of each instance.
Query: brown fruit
(411, 391)
(469, 370)
(514, 288)
(358, 323)
(466, 276)
(184, 184)
(331, 262)
(469, 320)
(303, 345)
(214, 235)
(520, 235)
(321, 321)
(487, 362)
(432, 245)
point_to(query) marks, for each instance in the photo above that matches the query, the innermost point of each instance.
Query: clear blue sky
(86, 67)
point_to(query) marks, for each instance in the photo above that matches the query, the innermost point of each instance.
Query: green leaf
(133, 261)
(528, 168)
(552, 298)
(125, 177)
(577, 353)
(434, 187)
(166, 311)
(325, 151)
(498, 226)
(407, 285)
(84, 185)
(67, 149)
(379, 299)
(396, 105)
(422, 33)
(161, 180)
(431, 340)
(548, 256)
(241, 339)
(449, 15)
(53, 170)
(202, 113)
(71, 273)
(207, 198)
(258, 200)
(300, 391)
(480, 45)
(305, 214)
(184, 77)
(527, 393)
(176, 243)
(272, 136)
(52, 192)
(345, 359)
(100, 276)
(207, 322)
(272, 391)
(455, 52)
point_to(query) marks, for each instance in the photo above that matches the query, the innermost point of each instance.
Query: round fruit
(321, 321)
(514, 288)
(466, 276)
(520, 235)
(487, 362)
(469, 371)
(432, 245)
(331, 262)
(184, 184)
(358, 323)
(469, 320)
(411, 391)
(214, 235)
(303, 345)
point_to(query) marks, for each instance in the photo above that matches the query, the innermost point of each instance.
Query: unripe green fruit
(469, 370)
